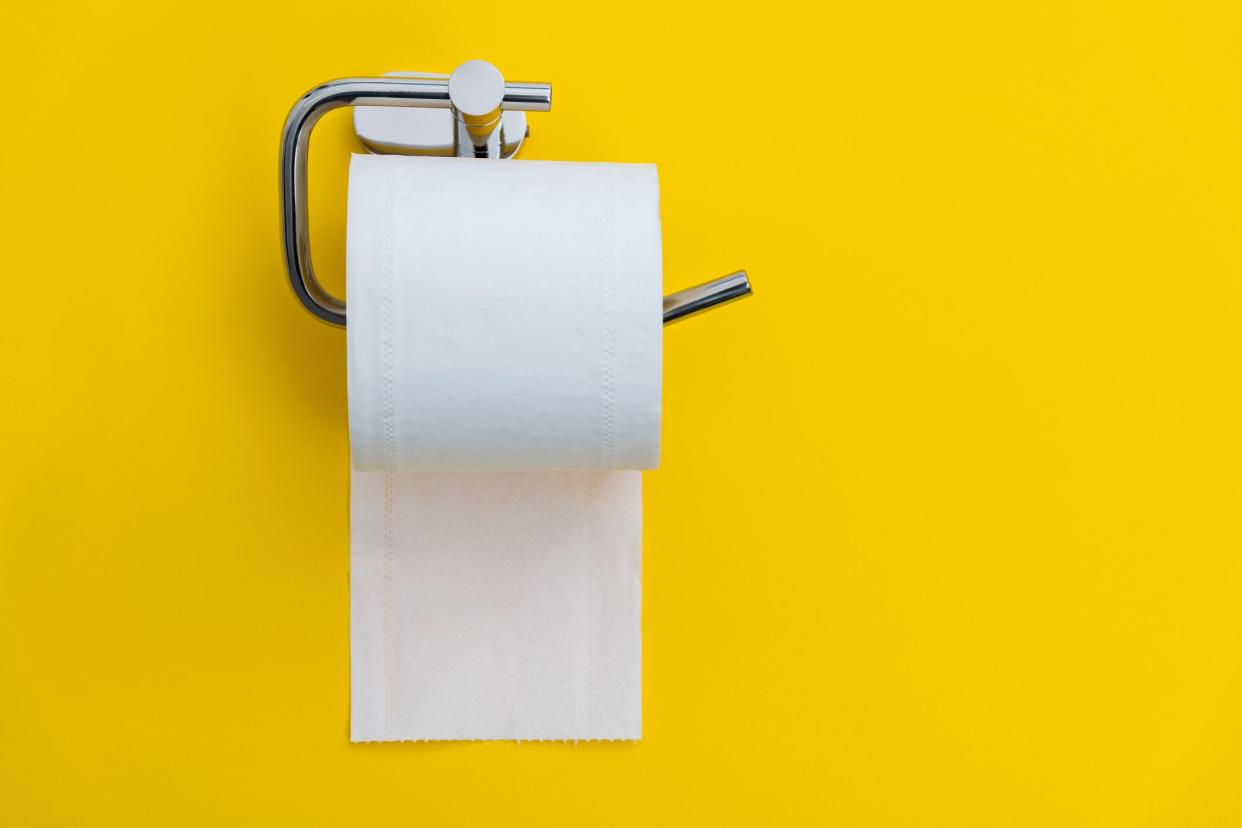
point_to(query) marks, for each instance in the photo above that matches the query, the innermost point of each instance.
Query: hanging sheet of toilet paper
(504, 388)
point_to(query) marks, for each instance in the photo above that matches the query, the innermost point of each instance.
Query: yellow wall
(948, 527)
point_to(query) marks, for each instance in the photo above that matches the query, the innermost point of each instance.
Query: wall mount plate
(393, 130)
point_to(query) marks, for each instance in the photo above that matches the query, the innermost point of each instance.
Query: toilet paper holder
(472, 113)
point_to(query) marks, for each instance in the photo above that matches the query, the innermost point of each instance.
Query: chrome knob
(477, 90)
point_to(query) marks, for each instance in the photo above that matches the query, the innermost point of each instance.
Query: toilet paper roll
(505, 325)
(503, 315)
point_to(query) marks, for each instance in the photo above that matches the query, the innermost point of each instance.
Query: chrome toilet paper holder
(472, 113)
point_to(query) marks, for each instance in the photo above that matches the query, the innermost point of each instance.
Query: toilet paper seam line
(390, 436)
(608, 414)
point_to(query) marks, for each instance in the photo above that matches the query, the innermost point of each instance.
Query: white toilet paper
(503, 315)
(504, 331)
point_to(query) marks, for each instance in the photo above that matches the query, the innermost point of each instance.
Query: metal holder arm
(475, 127)
(295, 143)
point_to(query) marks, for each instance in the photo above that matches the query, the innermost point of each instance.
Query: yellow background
(947, 530)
